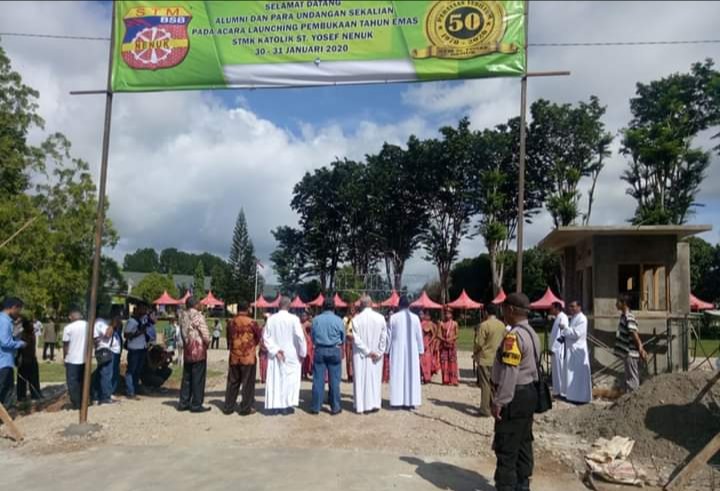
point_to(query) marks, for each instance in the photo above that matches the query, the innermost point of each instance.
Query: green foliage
(704, 269)
(199, 281)
(571, 143)
(243, 263)
(289, 258)
(142, 261)
(153, 285)
(665, 171)
(397, 204)
(450, 169)
(317, 199)
(498, 152)
(48, 264)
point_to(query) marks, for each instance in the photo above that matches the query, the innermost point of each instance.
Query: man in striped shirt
(628, 345)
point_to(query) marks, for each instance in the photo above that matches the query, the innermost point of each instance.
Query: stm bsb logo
(155, 37)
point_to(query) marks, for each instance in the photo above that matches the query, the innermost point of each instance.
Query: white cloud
(182, 164)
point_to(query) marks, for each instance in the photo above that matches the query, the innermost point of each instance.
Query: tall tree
(143, 261)
(451, 166)
(397, 203)
(243, 262)
(153, 285)
(704, 269)
(199, 281)
(665, 171)
(497, 150)
(363, 240)
(289, 258)
(316, 198)
(571, 143)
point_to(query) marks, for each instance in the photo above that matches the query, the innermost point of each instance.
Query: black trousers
(192, 390)
(7, 384)
(49, 346)
(74, 376)
(513, 440)
(240, 375)
(28, 375)
(215, 344)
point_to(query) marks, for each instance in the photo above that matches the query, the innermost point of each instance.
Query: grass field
(465, 338)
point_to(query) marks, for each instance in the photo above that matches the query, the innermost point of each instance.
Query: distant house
(182, 281)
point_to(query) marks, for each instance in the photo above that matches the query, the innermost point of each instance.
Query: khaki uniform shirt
(515, 363)
(490, 334)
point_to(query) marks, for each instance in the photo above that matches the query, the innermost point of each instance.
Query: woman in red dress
(427, 360)
(307, 366)
(448, 349)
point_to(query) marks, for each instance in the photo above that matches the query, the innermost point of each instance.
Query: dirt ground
(445, 427)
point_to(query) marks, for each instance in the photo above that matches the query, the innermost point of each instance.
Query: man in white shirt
(104, 338)
(136, 351)
(557, 348)
(286, 346)
(369, 343)
(74, 344)
(578, 384)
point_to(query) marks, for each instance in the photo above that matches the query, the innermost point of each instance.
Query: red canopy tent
(425, 302)
(339, 302)
(297, 303)
(500, 298)
(318, 302)
(184, 298)
(166, 299)
(697, 304)
(546, 301)
(464, 302)
(275, 303)
(211, 301)
(393, 301)
(261, 303)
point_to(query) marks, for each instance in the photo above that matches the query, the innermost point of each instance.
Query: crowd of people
(404, 349)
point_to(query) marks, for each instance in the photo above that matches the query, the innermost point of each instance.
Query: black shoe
(289, 411)
(227, 412)
(249, 412)
(200, 409)
(335, 413)
(313, 412)
(183, 408)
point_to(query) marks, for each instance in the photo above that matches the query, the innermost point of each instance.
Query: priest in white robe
(557, 348)
(578, 382)
(369, 343)
(285, 342)
(405, 348)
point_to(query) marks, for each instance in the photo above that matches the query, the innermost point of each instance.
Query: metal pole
(99, 222)
(256, 289)
(521, 165)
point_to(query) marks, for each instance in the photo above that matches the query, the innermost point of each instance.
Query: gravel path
(446, 426)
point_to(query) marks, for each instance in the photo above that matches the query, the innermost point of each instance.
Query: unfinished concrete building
(652, 265)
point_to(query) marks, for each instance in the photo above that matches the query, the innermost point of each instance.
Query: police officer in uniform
(514, 371)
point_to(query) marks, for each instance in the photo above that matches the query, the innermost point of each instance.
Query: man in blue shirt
(328, 336)
(11, 308)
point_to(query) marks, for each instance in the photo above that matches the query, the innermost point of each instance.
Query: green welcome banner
(175, 45)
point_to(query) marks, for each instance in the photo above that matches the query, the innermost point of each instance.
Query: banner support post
(521, 164)
(99, 223)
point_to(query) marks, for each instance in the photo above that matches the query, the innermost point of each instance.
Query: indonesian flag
(258, 263)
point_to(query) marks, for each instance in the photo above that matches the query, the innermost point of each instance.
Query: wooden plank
(10, 424)
(697, 462)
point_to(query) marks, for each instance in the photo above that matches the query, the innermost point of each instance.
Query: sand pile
(669, 417)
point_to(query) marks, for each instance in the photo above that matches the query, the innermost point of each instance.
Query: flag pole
(256, 290)
(99, 222)
(521, 164)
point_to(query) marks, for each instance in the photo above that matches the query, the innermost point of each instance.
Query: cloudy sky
(182, 164)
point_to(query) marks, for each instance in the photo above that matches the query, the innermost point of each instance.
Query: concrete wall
(599, 259)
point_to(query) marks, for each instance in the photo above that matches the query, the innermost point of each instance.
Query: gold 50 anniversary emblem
(463, 29)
